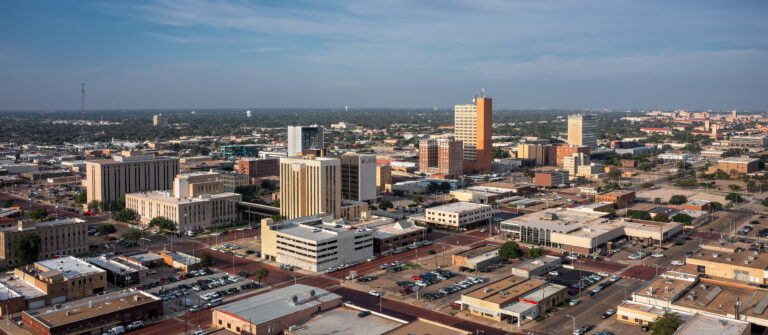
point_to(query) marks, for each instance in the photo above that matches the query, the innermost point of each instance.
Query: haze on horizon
(289, 54)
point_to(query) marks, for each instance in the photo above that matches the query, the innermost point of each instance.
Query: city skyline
(204, 54)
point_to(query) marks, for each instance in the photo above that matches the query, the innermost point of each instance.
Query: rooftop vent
(292, 299)
(715, 255)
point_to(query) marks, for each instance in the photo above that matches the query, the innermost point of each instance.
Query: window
(219, 322)
(229, 325)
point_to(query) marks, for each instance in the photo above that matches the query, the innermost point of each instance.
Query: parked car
(375, 293)
(135, 325)
(608, 313)
(575, 302)
(363, 314)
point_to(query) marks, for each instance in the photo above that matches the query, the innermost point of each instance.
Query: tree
(734, 187)
(7, 203)
(534, 253)
(734, 197)
(765, 202)
(666, 324)
(657, 200)
(127, 215)
(646, 185)
(106, 230)
(38, 214)
(81, 197)
(417, 198)
(614, 174)
(27, 248)
(640, 215)
(486, 178)
(385, 204)
(510, 250)
(445, 187)
(687, 182)
(206, 260)
(661, 217)
(678, 199)
(94, 205)
(262, 274)
(683, 218)
(717, 205)
(135, 235)
(163, 224)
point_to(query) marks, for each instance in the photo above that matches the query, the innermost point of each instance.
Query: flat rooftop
(479, 251)
(114, 265)
(511, 286)
(558, 220)
(84, 309)
(15, 227)
(167, 197)
(667, 286)
(12, 287)
(533, 264)
(543, 292)
(315, 228)
(145, 257)
(397, 228)
(746, 259)
(458, 207)
(740, 160)
(344, 321)
(421, 326)
(702, 324)
(70, 266)
(275, 304)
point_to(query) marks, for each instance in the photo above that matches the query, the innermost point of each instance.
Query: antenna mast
(82, 110)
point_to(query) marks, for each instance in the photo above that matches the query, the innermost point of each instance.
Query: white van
(190, 233)
(116, 330)
(215, 302)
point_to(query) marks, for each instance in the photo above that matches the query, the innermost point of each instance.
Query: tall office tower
(383, 177)
(472, 125)
(733, 114)
(539, 153)
(582, 130)
(309, 186)
(302, 138)
(428, 155)
(358, 177)
(443, 156)
(160, 120)
(107, 180)
(573, 162)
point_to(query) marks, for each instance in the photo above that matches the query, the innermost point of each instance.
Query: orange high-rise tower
(473, 126)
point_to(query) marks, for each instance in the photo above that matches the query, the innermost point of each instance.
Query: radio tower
(82, 110)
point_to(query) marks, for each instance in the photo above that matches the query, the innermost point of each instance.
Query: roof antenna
(482, 92)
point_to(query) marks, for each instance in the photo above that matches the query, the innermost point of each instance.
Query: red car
(183, 276)
(417, 278)
(404, 291)
(455, 306)
(164, 280)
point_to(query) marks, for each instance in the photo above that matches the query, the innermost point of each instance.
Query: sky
(609, 54)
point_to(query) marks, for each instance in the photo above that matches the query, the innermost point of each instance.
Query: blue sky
(383, 53)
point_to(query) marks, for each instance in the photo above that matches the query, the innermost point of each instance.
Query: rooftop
(397, 228)
(422, 326)
(535, 263)
(479, 251)
(459, 207)
(505, 290)
(12, 287)
(559, 220)
(344, 321)
(83, 309)
(167, 196)
(275, 304)
(543, 292)
(70, 266)
(738, 160)
(145, 257)
(745, 259)
(668, 286)
(114, 264)
(702, 324)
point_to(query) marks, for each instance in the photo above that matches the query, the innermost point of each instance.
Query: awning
(483, 310)
(517, 309)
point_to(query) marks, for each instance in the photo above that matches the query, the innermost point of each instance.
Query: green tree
(534, 253)
(127, 215)
(678, 199)
(106, 230)
(666, 324)
(687, 182)
(94, 205)
(27, 248)
(262, 274)
(661, 217)
(734, 187)
(640, 215)
(717, 205)
(385, 204)
(7, 203)
(509, 250)
(657, 200)
(734, 197)
(765, 202)
(682, 217)
(206, 260)
(486, 178)
(135, 235)
(276, 203)
(38, 214)
(614, 174)
(81, 197)
(417, 198)
(646, 185)
(163, 224)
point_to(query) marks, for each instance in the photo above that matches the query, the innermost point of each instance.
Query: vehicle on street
(575, 302)
(375, 293)
(678, 262)
(363, 314)
(608, 313)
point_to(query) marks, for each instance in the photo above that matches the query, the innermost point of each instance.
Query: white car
(603, 274)
(678, 262)
(575, 302)
(634, 256)
(657, 255)
(375, 293)
(199, 332)
(427, 243)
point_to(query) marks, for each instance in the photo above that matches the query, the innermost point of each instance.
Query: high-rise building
(108, 179)
(383, 177)
(358, 177)
(309, 186)
(302, 138)
(537, 152)
(160, 120)
(473, 126)
(582, 130)
(259, 167)
(573, 162)
(61, 237)
(558, 153)
(443, 156)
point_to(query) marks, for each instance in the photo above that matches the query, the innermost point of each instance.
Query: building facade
(383, 177)
(259, 167)
(160, 120)
(459, 215)
(582, 130)
(551, 178)
(107, 180)
(61, 237)
(473, 126)
(233, 180)
(309, 186)
(358, 177)
(443, 156)
(302, 138)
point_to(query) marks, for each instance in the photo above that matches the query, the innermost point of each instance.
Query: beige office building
(197, 202)
(582, 130)
(358, 177)
(61, 237)
(473, 126)
(383, 177)
(537, 152)
(108, 179)
(310, 185)
(160, 120)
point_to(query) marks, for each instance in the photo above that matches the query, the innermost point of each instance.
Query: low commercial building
(64, 278)
(233, 180)
(537, 267)
(457, 215)
(620, 198)
(330, 321)
(180, 260)
(729, 262)
(551, 178)
(351, 209)
(93, 315)
(120, 272)
(17, 295)
(513, 298)
(704, 324)
(490, 193)
(315, 243)
(60, 237)
(396, 235)
(539, 227)
(274, 311)
(421, 186)
(144, 258)
(479, 257)
(424, 326)
(749, 141)
(737, 165)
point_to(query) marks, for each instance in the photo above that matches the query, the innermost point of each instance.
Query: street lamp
(574, 322)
